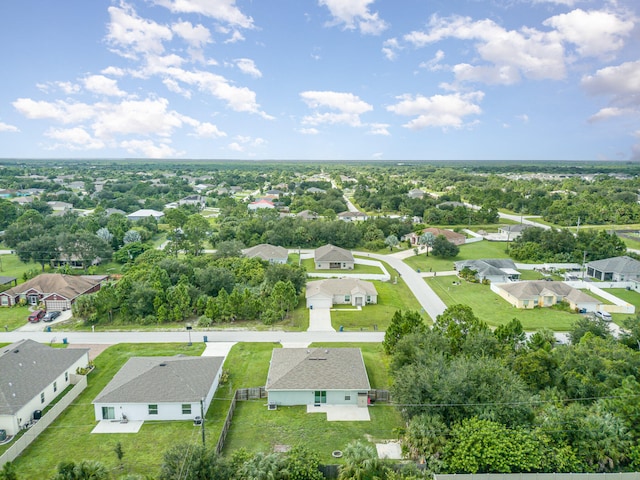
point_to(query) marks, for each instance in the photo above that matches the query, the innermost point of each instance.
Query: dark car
(50, 316)
(36, 316)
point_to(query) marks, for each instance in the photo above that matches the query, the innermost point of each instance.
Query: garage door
(60, 305)
(319, 303)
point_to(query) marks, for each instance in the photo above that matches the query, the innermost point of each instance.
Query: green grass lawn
(309, 265)
(471, 251)
(11, 266)
(70, 438)
(390, 298)
(258, 429)
(13, 317)
(494, 310)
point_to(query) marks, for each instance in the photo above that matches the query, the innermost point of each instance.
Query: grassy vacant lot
(390, 298)
(257, 429)
(472, 251)
(629, 296)
(492, 309)
(70, 438)
(11, 266)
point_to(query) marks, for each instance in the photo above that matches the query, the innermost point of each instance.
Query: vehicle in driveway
(51, 316)
(606, 316)
(36, 316)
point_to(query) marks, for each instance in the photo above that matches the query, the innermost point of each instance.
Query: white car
(606, 316)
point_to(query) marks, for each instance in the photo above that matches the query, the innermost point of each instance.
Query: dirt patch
(281, 448)
(94, 349)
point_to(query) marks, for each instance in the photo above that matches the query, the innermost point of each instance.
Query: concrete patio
(342, 413)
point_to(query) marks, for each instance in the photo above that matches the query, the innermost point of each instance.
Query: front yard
(471, 251)
(494, 310)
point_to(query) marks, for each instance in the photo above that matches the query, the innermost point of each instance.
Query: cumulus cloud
(222, 10)
(60, 111)
(434, 64)
(103, 86)
(130, 35)
(196, 36)
(208, 130)
(621, 84)
(390, 48)
(568, 3)
(248, 66)
(76, 138)
(5, 127)
(379, 129)
(309, 131)
(355, 14)
(443, 111)
(346, 107)
(149, 149)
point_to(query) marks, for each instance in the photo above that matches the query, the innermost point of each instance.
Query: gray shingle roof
(340, 286)
(623, 264)
(487, 267)
(69, 286)
(266, 252)
(161, 379)
(331, 253)
(28, 367)
(317, 369)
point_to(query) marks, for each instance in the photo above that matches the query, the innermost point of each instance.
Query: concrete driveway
(320, 320)
(41, 326)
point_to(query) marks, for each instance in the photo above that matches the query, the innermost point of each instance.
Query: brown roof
(69, 286)
(448, 234)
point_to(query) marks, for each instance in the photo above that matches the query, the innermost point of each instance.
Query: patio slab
(108, 426)
(391, 450)
(342, 413)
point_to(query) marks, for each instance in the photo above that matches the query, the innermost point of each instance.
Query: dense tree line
(477, 400)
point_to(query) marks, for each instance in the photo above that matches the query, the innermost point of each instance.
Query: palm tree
(427, 239)
(362, 463)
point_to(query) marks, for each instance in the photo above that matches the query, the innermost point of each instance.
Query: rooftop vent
(163, 364)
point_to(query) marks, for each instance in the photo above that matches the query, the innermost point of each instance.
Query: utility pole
(578, 227)
(584, 261)
(202, 417)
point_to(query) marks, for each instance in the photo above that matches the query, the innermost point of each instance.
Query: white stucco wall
(307, 397)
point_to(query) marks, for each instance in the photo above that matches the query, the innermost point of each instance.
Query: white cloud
(608, 113)
(61, 111)
(196, 36)
(445, 111)
(208, 130)
(235, 37)
(621, 83)
(236, 147)
(149, 149)
(76, 138)
(568, 3)
(222, 10)
(5, 127)
(595, 33)
(68, 87)
(131, 35)
(379, 129)
(103, 86)
(355, 14)
(248, 66)
(524, 118)
(309, 131)
(349, 108)
(113, 71)
(434, 64)
(390, 48)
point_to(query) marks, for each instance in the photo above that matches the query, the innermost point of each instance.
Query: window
(42, 397)
(108, 413)
(525, 303)
(347, 298)
(66, 376)
(347, 397)
(153, 409)
(368, 298)
(320, 396)
(186, 409)
(55, 386)
(4, 300)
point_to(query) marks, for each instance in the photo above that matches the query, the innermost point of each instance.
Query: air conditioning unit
(272, 406)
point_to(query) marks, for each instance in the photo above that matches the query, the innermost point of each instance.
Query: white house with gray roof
(495, 270)
(160, 388)
(341, 291)
(616, 269)
(330, 257)
(32, 375)
(316, 376)
(269, 253)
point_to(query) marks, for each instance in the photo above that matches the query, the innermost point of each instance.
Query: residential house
(57, 291)
(259, 204)
(352, 216)
(196, 200)
(616, 269)
(450, 235)
(145, 213)
(340, 291)
(316, 190)
(333, 258)
(317, 376)
(540, 293)
(513, 231)
(60, 207)
(33, 375)
(269, 253)
(160, 388)
(111, 211)
(450, 205)
(416, 193)
(307, 215)
(495, 270)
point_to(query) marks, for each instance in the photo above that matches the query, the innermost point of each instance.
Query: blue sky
(321, 79)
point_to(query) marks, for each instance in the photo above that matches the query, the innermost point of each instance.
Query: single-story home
(332, 376)
(616, 269)
(450, 235)
(316, 190)
(540, 293)
(416, 193)
(333, 258)
(270, 253)
(145, 213)
(262, 203)
(352, 216)
(342, 291)
(307, 215)
(57, 291)
(33, 375)
(495, 270)
(513, 231)
(194, 200)
(160, 388)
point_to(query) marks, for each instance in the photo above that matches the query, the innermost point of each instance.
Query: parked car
(36, 316)
(51, 316)
(606, 316)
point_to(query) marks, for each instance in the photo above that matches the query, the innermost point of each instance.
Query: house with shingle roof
(269, 253)
(33, 375)
(145, 213)
(57, 291)
(340, 291)
(317, 376)
(616, 269)
(160, 388)
(495, 270)
(330, 257)
(540, 293)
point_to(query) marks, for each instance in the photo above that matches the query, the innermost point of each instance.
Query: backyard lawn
(309, 265)
(143, 451)
(471, 251)
(494, 310)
